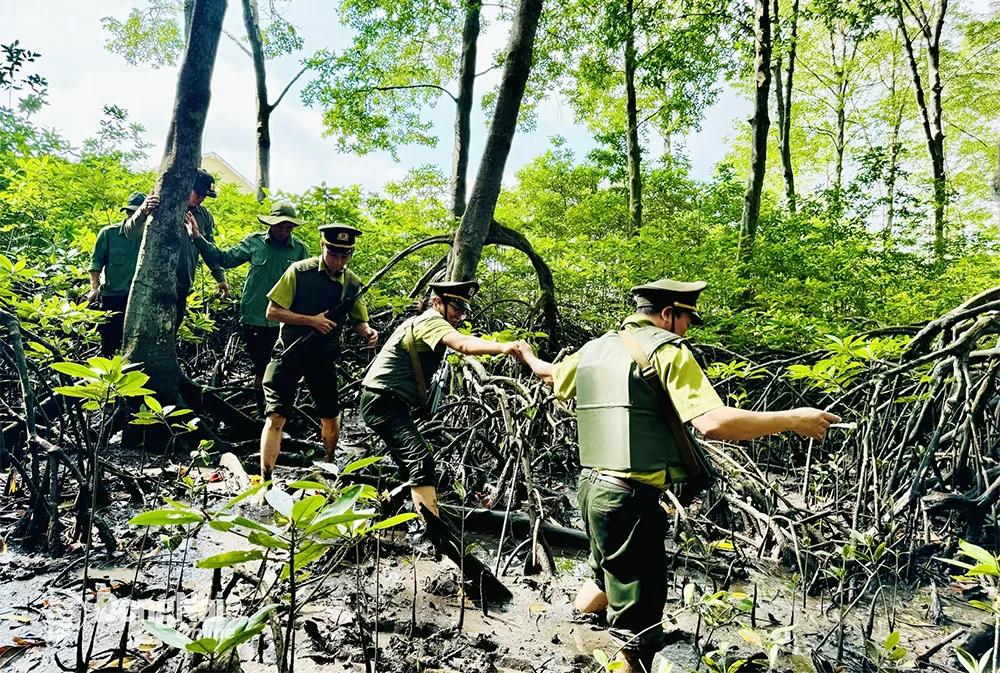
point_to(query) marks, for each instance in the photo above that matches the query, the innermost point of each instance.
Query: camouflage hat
(135, 201)
(666, 292)
(281, 211)
(460, 293)
(204, 184)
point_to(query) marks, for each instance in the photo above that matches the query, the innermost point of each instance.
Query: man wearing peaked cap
(204, 186)
(636, 390)
(300, 301)
(112, 267)
(397, 380)
(269, 254)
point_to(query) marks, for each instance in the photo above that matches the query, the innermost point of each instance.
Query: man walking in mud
(635, 388)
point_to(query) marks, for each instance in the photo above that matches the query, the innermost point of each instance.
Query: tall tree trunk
(188, 18)
(893, 173)
(761, 122)
(251, 20)
(995, 186)
(930, 111)
(149, 319)
(632, 118)
(783, 98)
(463, 105)
(475, 226)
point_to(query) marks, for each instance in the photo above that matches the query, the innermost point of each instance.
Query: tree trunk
(893, 173)
(632, 118)
(930, 111)
(995, 186)
(251, 20)
(149, 319)
(501, 235)
(188, 18)
(760, 123)
(463, 112)
(784, 100)
(475, 226)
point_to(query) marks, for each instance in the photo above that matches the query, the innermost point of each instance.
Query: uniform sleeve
(690, 390)
(135, 225)
(283, 292)
(432, 330)
(217, 272)
(226, 259)
(564, 377)
(99, 260)
(359, 311)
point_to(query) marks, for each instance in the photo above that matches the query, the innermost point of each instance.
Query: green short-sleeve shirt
(682, 377)
(115, 255)
(283, 292)
(427, 334)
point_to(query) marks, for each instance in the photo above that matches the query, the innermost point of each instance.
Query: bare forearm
(95, 280)
(732, 424)
(540, 368)
(470, 345)
(283, 315)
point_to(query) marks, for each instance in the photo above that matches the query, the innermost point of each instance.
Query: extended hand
(192, 225)
(151, 203)
(810, 422)
(370, 336)
(519, 349)
(223, 289)
(322, 324)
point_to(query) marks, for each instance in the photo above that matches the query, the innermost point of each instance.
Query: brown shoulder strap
(651, 377)
(410, 344)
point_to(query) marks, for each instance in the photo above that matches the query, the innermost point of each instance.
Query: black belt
(637, 487)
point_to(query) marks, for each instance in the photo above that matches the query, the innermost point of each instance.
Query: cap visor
(271, 220)
(211, 194)
(129, 209)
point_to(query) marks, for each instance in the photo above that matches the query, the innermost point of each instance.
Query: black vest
(316, 292)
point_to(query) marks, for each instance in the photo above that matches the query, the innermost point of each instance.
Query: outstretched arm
(470, 345)
(732, 424)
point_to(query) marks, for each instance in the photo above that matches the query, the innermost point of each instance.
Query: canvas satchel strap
(650, 376)
(410, 344)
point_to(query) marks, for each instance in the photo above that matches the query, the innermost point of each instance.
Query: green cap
(460, 292)
(281, 211)
(666, 292)
(339, 236)
(135, 200)
(204, 184)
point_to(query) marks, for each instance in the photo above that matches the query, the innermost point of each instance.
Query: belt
(635, 486)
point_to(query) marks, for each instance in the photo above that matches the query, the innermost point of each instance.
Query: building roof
(228, 172)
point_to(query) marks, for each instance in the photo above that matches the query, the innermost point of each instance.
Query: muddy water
(538, 631)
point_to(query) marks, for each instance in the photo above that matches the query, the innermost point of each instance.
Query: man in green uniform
(115, 256)
(299, 301)
(629, 453)
(398, 378)
(269, 254)
(203, 187)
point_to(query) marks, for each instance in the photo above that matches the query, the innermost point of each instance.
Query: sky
(83, 77)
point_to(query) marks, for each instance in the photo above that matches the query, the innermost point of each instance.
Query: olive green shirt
(393, 368)
(115, 255)
(283, 292)
(427, 334)
(681, 375)
(268, 258)
(188, 262)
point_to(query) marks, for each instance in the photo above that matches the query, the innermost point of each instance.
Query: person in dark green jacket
(204, 186)
(396, 381)
(269, 254)
(630, 454)
(300, 301)
(112, 267)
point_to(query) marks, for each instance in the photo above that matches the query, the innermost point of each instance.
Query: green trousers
(388, 416)
(627, 529)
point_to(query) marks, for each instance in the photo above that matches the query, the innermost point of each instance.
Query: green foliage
(102, 381)
(152, 35)
(219, 635)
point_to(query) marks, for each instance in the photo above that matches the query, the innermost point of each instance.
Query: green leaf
(244, 495)
(170, 636)
(202, 646)
(985, 607)
(361, 464)
(308, 485)
(601, 658)
(304, 510)
(892, 640)
(266, 540)
(897, 654)
(258, 617)
(166, 517)
(75, 369)
(153, 404)
(231, 558)
(978, 553)
(394, 520)
(325, 520)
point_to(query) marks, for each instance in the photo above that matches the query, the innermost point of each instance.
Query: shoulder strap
(652, 378)
(410, 344)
